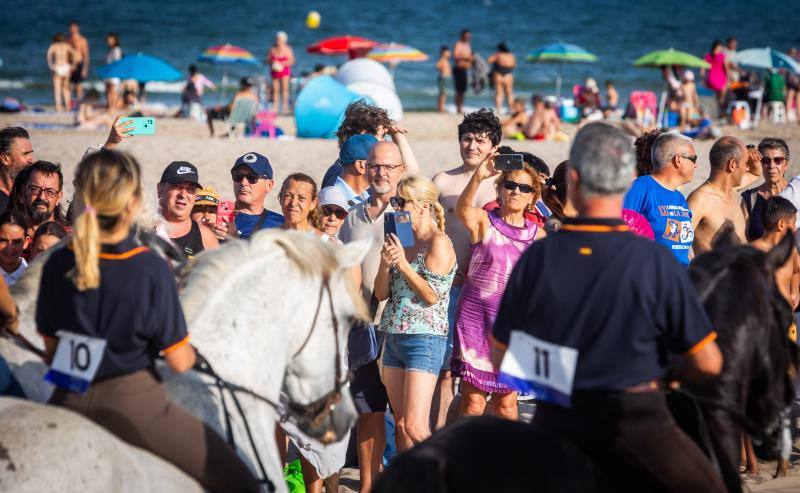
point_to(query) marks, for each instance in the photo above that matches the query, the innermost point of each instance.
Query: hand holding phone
(142, 125)
(399, 224)
(508, 162)
(225, 210)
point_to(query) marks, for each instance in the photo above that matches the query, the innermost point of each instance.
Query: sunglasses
(512, 185)
(251, 179)
(333, 211)
(398, 202)
(692, 158)
(778, 160)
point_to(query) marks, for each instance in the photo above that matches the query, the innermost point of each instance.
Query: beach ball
(313, 19)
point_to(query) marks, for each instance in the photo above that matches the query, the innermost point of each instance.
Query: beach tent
(381, 96)
(560, 53)
(319, 108)
(365, 70)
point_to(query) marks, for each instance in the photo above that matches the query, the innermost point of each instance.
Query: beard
(382, 188)
(39, 211)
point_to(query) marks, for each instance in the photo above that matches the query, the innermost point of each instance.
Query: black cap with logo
(181, 172)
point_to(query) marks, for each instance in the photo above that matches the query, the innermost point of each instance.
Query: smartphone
(508, 162)
(225, 210)
(142, 125)
(399, 224)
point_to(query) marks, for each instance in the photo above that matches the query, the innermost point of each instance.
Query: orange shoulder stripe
(124, 255)
(712, 336)
(177, 345)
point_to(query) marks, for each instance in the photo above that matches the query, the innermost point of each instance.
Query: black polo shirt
(135, 309)
(623, 302)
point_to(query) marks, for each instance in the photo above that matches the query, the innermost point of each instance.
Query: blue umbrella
(766, 58)
(141, 68)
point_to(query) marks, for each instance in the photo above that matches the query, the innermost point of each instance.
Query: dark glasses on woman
(398, 202)
(251, 179)
(512, 185)
(778, 160)
(333, 211)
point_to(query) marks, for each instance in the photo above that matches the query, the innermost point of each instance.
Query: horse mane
(202, 277)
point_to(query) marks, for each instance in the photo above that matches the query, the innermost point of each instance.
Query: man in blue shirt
(252, 181)
(656, 196)
(589, 318)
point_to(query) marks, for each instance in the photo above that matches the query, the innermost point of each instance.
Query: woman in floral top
(416, 284)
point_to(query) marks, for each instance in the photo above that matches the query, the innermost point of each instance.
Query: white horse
(266, 314)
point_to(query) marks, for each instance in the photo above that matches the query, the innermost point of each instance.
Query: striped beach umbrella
(227, 54)
(560, 53)
(394, 53)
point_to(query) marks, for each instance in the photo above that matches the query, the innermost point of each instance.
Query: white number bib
(540, 368)
(76, 361)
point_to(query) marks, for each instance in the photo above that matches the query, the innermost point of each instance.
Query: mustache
(42, 202)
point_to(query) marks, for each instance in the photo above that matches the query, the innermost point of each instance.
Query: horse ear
(780, 253)
(725, 238)
(353, 253)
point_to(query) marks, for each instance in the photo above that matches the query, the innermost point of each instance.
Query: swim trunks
(441, 83)
(77, 74)
(461, 77)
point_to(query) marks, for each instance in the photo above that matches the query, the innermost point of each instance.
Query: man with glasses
(385, 169)
(656, 196)
(43, 193)
(177, 191)
(252, 181)
(714, 204)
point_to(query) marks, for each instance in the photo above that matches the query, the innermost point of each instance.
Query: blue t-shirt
(667, 212)
(246, 222)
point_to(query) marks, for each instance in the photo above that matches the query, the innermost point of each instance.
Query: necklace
(716, 192)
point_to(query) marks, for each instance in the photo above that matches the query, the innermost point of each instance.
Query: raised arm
(475, 218)
(754, 169)
(398, 134)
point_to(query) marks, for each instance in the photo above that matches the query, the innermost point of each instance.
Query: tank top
(191, 243)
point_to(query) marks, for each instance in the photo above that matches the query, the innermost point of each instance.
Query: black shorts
(77, 74)
(461, 77)
(367, 389)
(218, 113)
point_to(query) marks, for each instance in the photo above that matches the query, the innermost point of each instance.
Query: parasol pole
(662, 106)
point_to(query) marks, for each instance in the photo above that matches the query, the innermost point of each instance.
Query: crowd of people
(439, 313)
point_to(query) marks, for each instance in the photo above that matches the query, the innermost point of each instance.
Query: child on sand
(445, 73)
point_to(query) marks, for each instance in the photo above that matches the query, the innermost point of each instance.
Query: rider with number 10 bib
(106, 308)
(588, 319)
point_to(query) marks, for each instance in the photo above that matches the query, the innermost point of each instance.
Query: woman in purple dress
(499, 237)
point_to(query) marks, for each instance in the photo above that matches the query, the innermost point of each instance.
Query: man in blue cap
(252, 181)
(353, 156)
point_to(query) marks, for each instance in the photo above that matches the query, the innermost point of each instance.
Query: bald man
(715, 204)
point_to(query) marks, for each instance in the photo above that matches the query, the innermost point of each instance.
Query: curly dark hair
(480, 122)
(361, 117)
(644, 146)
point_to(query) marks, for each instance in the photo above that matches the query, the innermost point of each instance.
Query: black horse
(753, 393)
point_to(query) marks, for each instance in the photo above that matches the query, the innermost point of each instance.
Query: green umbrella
(660, 58)
(560, 53)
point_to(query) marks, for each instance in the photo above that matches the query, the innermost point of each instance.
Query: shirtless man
(478, 136)
(462, 60)
(81, 66)
(544, 122)
(715, 203)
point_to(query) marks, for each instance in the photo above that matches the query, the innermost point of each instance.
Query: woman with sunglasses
(332, 212)
(774, 161)
(416, 283)
(499, 238)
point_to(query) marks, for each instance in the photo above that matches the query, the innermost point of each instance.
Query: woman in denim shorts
(416, 284)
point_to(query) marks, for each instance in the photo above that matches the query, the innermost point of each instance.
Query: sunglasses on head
(778, 160)
(251, 179)
(512, 185)
(398, 202)
(328, 210)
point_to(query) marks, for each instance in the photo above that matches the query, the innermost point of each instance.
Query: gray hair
(603, 157)
(774, 143)
(665, 147)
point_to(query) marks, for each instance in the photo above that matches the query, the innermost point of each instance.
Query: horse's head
(318, 388)
(737, 287)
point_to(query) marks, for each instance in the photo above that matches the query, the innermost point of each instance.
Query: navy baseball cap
(181, 172)
(356, 148)
(256, 162)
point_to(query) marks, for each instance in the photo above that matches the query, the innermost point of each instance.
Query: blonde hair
(536, 180)
(105, 183)
(420, 189)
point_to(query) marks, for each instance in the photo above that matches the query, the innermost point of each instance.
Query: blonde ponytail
(105, 184)
(439, 211)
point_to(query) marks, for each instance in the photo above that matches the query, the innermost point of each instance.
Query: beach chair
(242, 114)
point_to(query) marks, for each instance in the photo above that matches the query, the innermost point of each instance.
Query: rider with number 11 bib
(586, 324)
(107, 307)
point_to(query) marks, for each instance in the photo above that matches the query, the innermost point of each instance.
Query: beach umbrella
(394, 53)
(225, 55)
(141, 68)
(560, 53)
(341, 45)
(661, 58)
(766, 58)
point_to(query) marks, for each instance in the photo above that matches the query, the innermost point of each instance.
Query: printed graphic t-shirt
(667, 212)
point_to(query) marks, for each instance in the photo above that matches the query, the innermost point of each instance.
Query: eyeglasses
(328, 210)
(778, 160)
(48, 192)
(251, 179)
(385, 167)
(692, 157)
(512, 185)
(398, 202)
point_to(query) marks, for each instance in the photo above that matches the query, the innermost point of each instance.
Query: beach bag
(362, 345)
(293, 475)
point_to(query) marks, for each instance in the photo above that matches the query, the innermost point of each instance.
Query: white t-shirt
(12, 277)
(353, 199)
